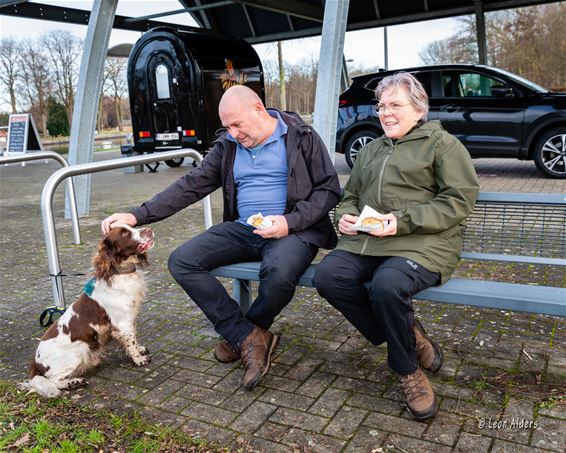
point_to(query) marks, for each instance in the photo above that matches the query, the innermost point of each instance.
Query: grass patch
(32, 424)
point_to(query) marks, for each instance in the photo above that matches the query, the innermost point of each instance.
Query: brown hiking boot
(419, 396)
(429, 353)
(224, 353)
(256, 355)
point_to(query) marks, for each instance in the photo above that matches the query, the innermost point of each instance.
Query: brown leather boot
(224, 353)
(419, 396)
(256, 355)
(429, 353)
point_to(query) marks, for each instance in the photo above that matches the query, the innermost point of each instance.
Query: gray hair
(415, 90)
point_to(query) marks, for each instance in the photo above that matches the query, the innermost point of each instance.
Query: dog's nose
(146, 233)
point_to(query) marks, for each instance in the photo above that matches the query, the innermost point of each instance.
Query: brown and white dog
(106, 310)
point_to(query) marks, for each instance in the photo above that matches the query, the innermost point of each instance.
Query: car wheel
(177, 162)
(550, 153)
(357, 142)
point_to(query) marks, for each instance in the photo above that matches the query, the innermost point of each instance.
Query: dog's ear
(105, 260)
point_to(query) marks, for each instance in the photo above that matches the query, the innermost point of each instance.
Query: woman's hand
(345, 224)
(390, 230)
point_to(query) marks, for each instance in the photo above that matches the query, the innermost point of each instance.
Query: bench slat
(548, 300)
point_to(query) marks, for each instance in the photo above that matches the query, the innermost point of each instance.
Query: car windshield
(521, 80)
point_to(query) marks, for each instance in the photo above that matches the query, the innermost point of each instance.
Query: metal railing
(55, 272)
(25, 157)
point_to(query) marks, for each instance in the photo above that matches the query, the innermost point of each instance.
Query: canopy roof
(259, 21)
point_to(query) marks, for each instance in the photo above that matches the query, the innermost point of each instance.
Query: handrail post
(9, 159)
(83, 169)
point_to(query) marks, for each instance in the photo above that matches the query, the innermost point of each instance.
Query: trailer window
(162, 81)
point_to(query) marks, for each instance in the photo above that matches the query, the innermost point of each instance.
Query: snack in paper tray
(259, 221)
(369, 220)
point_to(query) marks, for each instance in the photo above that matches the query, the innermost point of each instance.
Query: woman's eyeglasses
(393, 108)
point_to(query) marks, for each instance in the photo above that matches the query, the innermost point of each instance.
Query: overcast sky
(364, 47)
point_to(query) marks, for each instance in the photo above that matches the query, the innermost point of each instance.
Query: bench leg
(241, 293)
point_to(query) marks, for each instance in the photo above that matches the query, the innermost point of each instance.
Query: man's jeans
(384, 311)
(283, 261)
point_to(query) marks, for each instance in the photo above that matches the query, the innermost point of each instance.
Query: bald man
(267, 161)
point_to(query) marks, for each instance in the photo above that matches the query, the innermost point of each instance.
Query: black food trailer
(175, 82)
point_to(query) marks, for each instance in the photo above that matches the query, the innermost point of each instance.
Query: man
(269, 162)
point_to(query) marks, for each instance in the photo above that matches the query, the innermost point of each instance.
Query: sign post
(22, 135)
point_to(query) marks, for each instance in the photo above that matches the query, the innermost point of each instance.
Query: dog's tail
(41, 385)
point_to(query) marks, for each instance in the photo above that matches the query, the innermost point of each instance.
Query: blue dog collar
(88, 288)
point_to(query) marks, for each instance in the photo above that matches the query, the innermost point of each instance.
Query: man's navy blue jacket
(313, 186)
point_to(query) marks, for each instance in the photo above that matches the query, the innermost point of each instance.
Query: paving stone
(285, 399)
(174, 404)
(395, 424)
(241, 399)
(472, 443)
(230, 383)
(315, 384)
(444, 429)
(161, 392)
(208, 413)
(309, 441)
(163, 418)
(550, 434)
(280, 383)
(303, 369)
(376, 404)
(202, 394)
(194, 377)
(329, 402)
(209, 432)
(501, 446)
(359, 385)
(365, 440)
(266, 446)
(404, 443)
(253, 417)
(345, 422)
(299, 419)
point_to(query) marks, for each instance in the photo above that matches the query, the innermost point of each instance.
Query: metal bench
(504, 227)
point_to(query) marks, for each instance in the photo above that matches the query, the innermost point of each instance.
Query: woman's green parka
(427, 180)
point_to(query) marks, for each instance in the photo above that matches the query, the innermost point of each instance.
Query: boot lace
(412, 385)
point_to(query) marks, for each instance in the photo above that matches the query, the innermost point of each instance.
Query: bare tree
(9, 69)
(116, 84)
(35, 78)
(528, 41)
(64, 52)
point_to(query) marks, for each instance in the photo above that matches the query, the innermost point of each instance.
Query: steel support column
(88, 94)
(480, 30)
(329, 71)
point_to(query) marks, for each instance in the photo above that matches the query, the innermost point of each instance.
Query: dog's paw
(143, 350)
(142, 361)
(77, 383)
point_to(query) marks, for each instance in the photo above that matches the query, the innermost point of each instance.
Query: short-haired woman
(423, 181)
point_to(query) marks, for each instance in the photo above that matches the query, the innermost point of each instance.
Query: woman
(423, 182)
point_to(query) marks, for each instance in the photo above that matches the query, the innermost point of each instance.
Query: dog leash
(52, 313)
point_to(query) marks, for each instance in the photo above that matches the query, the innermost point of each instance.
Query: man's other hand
(278, 229)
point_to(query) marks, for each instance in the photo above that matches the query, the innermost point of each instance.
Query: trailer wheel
(175, 162)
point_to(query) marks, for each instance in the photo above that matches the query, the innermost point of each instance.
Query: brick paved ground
(328, 390)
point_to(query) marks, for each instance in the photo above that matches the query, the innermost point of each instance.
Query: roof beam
(291, 7)
(249, 19)
(187, 9)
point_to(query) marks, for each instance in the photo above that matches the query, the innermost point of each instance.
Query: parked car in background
(494, 113)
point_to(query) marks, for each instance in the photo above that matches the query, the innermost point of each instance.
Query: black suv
(492, 112)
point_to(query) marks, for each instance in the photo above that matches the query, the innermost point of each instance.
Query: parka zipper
(379, 187)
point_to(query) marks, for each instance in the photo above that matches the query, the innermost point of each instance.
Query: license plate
(168, 137)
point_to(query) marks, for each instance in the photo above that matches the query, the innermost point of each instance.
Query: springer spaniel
(107, 309)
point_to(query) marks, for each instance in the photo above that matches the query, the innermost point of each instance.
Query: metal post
(329, 70)
(70, 187)
(83, 169)
(480, 31)
(88, 93)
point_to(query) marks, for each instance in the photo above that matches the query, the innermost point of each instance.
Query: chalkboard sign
(22, 137)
